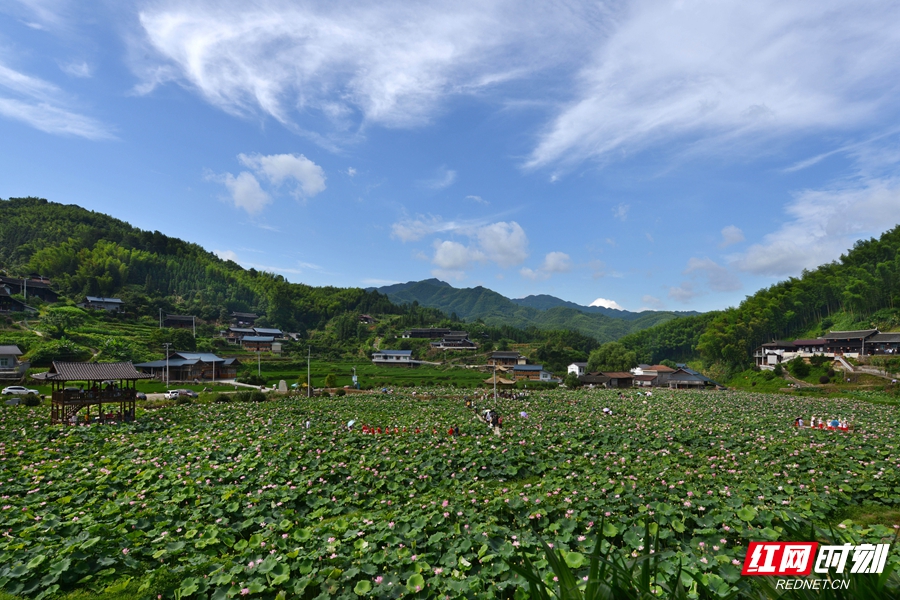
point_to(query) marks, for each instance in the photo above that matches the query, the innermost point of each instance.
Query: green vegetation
(178, 505)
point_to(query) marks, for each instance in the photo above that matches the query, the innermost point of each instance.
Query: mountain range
(541, 311)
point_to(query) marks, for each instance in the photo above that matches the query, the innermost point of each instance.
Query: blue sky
(662, 155)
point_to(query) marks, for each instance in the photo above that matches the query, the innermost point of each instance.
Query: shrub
(799, 368)
(31, 400)
(824, 379)
(183, 400)
(252, 379)
(242, 397)
(778, 370)
(817, 360)
(340, 392)
(222, 399)
(257, 396)
(831, 372)
(768, 375)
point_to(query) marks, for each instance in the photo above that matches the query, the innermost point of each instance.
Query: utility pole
(258, 369)
(167, 344)
(495, 380)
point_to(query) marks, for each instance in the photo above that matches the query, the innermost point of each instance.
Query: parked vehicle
(189, 393)
(140, 396)
(18, 390)
(171, 395)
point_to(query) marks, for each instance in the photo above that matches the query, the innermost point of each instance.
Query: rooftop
(77, 371)
(850, 335)
(10, 350)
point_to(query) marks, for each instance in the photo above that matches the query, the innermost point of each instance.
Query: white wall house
(394, 358)
(578, 368)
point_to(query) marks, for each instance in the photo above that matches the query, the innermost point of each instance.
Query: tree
(572, 382)
(62, 319)
(330, 380)
(612, 356)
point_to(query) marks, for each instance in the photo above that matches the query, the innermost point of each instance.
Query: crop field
(239, 499)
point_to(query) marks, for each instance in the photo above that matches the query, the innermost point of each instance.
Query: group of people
(818, 423)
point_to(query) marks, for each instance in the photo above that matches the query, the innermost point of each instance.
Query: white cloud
(621, 212)
(504, 243)
(822, 224)
(246, 191)
(351, 171)
(477, 199)
(606, 303)
(226, 255)
(392, 62)
(731, 235)
(720, 73)
(453, 256)
(44, 106)
(278, 168)
(554, 262)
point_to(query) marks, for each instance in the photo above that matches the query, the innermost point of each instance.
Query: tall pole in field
(258, 370)
(495, 380)
(167, 344)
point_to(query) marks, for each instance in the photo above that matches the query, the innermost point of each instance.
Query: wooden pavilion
(110, 387)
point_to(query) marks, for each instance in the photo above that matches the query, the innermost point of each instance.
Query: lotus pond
(234, 500)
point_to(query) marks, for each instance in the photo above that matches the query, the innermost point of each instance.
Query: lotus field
(237, 499)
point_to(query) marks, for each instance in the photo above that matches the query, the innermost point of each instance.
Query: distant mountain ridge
(541, 311)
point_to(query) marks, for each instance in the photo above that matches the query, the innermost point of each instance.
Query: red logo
(779, 558)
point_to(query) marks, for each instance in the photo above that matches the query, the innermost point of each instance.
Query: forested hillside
(860, 290)
(85, 252)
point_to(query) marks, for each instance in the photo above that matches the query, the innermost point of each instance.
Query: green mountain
(546, 302)
(89, 253)
(480, 303)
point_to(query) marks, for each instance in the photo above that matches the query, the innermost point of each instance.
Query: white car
(18, 390)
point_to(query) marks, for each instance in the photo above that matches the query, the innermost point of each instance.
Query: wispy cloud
(683, 73)
(621, 212)
(443, 178)
(731, 235)
(391, 63)
(44, 106)
(822, 224)
(81, 70)
(478, 199)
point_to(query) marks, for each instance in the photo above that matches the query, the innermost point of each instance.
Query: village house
(394, 358)
(883, 343)
(847, 342)
(455, 340)
(685, 378)
(257, 343)
(594, 380)
(531, 373)
(504, 358)
(191, 366)
(619, 379)
(113, 305)
(30, 287)
(430, 333)
(180, 321)
(8, 304)
(11, 368)
(577, 368)
(367, 319)
(243, 319)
